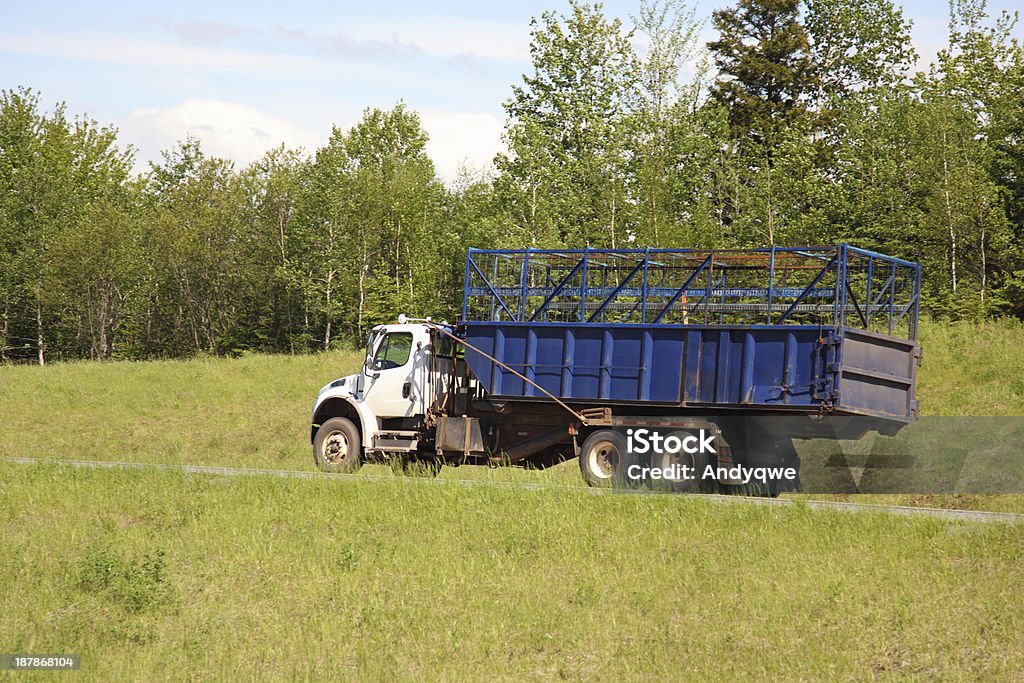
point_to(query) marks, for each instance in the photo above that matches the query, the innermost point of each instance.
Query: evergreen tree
(765, 70)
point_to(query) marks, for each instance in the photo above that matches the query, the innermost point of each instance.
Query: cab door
(389, 389)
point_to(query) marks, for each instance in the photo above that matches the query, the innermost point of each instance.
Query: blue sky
(246, 76)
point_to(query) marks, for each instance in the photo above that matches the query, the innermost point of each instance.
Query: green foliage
(272, 187)
(672, 172)
(978, 81)
(567, 133)
(675, 141)
(100, 276)
(779, 194)
(813, 130)
(52, 172)
(369, 227)
(198, 241)
(856, 47)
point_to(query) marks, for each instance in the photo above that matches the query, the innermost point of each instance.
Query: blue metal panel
(668, 364)
(568, 353)
(530, 361)
(607, 347)
(515, 355)
(586, 365)
(548, 364)
(665, 367)
(877, 374)
(727, 362)
(764, 367)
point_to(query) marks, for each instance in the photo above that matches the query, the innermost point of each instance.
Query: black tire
(664, 460)
(776, 452)
(773, 487)
(337, 447)
(752, 445)
(605, 461)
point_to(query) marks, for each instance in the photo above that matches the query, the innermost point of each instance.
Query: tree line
(802, 122)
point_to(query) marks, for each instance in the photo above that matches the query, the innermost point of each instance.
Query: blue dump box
(817, 329)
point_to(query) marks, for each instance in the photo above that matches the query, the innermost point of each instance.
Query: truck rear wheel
(605, 460)
(680, 481)
(336, 447)
(772, 453)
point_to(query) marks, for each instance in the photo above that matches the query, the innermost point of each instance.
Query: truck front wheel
(336, 447)
(605, 460)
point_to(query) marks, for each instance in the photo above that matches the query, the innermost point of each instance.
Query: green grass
(972, 368)
(158, 575)
(246, 412)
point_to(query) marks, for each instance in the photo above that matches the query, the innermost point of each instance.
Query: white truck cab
(380, 409)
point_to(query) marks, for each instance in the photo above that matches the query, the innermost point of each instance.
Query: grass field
(162, 575)
(972, 368)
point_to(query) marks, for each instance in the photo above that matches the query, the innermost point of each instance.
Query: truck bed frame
(809, 330)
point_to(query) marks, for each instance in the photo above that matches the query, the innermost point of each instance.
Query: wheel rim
(335, 448)
(603, 459)
(681, 459)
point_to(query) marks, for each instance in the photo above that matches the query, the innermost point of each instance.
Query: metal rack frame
(836, 286)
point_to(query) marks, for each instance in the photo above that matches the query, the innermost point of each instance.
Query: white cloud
(112, 49)
(202, 49)
(202, 33)
(243, 133)
(231, 130)
(451, 37)
(457, 138)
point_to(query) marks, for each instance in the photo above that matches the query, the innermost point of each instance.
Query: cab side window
(393, 352)
(443, 347)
